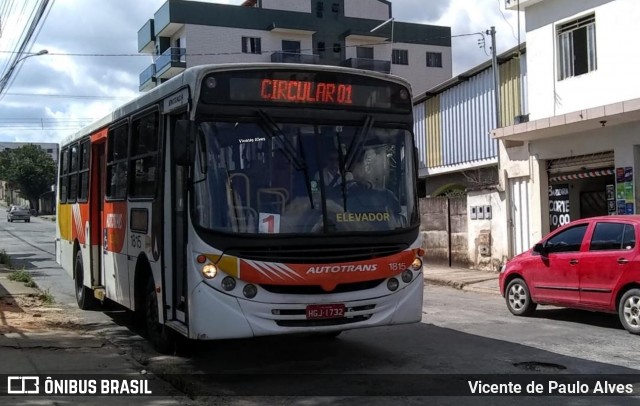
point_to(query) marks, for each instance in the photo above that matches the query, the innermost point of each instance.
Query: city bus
(248, 200)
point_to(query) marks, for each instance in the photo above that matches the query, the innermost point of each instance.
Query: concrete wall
(223, 40)
(303, 6)
(435, 230)
(617, 60)
(489, 233)
(421, 77)
(373, 9)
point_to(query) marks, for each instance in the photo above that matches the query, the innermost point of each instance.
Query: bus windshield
(275, 178)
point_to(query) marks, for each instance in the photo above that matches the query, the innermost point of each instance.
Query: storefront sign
(558, 206)
(624, 190)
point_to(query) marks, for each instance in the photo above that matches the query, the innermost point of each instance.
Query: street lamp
(7, 76)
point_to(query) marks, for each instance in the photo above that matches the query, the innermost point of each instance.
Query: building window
(319, 9)
(251, 45)
(434, 59)
(321, 46)
(364, 52)
(400, 57)
(337, 48)
(577, 47)
(292, 47)
(335, 7)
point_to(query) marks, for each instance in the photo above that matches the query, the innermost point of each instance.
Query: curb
(464, 286)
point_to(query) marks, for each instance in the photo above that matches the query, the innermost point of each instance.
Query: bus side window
(117, 142)
(144, 160)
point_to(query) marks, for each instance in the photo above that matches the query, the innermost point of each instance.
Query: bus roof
(191, 75)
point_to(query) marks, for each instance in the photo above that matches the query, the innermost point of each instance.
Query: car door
(610, 251)
(556, 274)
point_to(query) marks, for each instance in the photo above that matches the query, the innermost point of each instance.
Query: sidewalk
(471, 280)
(30, 344)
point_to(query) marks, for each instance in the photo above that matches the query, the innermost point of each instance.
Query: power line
(71, 96)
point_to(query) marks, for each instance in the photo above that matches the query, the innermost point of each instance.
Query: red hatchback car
(591, 264)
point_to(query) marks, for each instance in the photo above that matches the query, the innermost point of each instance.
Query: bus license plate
(325, 311)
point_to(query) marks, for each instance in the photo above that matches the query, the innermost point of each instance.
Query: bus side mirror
(181, 142)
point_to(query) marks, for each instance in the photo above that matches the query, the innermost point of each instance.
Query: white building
(355, 33)
(579, 155)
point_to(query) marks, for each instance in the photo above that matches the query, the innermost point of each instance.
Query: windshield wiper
(359, 138)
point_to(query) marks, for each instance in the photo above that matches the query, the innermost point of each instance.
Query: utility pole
(496, 74)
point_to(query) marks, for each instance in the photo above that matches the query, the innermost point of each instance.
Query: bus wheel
(84, 295)
(161, 337)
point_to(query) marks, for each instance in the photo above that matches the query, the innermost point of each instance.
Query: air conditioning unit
(523, 118)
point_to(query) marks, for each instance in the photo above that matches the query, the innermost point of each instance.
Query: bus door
(176, 228)
(96, 211)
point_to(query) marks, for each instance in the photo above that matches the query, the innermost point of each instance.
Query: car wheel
(518, 298)
(161, 336)
(629, 311)
(84, 295)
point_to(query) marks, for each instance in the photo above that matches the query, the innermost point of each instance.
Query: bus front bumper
(215, 315)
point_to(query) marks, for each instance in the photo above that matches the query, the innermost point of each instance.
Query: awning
(581, 163)
(582, 175)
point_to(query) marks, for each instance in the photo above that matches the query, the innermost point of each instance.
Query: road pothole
(535, 366)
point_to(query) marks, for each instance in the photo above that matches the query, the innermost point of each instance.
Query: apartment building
(579, 154)
(355, 33)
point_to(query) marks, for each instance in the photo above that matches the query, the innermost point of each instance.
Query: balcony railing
(172, 57)
(147, 74)
(368, 64)
(294, 57)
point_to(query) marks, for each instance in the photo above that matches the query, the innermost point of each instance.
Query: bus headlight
(228, 283)
(416, 265)
(250, 291)
(407, 276)
(392, 284)
(209, 271)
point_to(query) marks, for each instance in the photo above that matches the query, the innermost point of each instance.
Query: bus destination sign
(298, 91)
(321, 89)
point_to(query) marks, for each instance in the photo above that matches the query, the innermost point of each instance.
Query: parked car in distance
(19, 213)
(591, 264)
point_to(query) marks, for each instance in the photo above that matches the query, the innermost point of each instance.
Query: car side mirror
(539, 248)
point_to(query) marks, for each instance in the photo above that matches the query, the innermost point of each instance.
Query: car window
(567, 240)
(610, 236)
(629, 237)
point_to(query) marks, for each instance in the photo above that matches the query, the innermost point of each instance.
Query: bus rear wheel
(161, 336)
(84, 295)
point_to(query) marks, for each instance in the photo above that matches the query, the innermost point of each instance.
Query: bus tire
(161, 336)
(84, 296)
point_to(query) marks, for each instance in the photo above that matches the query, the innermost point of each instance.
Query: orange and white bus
(247, 200)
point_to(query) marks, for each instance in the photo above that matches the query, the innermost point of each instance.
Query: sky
(93, 65)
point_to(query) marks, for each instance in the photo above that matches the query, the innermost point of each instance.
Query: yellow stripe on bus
(227, 264)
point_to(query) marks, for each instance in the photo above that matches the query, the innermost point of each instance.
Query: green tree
(29, 169)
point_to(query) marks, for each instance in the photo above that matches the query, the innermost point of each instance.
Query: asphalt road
(462, 335)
